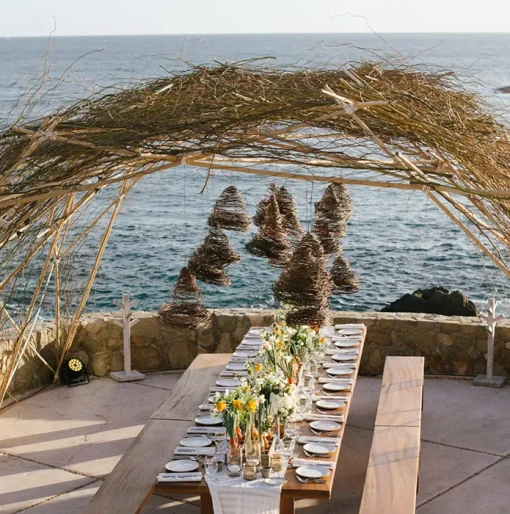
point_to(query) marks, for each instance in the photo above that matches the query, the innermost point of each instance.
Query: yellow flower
(278, 332)
(251, 405)
(221, 406)
(279, 344)
(238, 404)
(323, 340)
(258, 367)
(244, 389)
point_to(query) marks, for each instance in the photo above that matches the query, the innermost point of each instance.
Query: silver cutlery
(311, 480)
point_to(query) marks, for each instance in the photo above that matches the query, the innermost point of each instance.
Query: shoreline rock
(436, 300)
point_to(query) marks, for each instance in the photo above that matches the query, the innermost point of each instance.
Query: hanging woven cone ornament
(312, 316)
(209, 260)
(288, 210)
(305, 282)
(263, 205)
(271, 240)
(230, 212)
(331, 214)
(186, 309)
(345, 280)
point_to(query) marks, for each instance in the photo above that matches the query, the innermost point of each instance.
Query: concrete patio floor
(57, 446)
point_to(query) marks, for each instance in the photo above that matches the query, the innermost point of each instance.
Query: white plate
(227, 382)
(196, 442)
(312, 471)
(319, 449)
(208, 420)
(330, 404)
(245, 354)
(350, 331)
(339, 372)
(344, 358)
(325, 426)
(181, 466)
(346, 344)
(236, 366)
(336, 388)
(275, 481)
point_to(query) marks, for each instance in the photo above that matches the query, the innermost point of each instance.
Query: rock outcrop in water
(436, 300)
(503, 89)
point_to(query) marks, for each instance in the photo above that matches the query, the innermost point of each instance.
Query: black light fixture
(74, 372)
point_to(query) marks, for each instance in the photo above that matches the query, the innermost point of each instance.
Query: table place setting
(275, 393)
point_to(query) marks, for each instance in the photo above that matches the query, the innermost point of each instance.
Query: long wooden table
(182, 404)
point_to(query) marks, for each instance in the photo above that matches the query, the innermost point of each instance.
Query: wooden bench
(392, 475)
(129, 486)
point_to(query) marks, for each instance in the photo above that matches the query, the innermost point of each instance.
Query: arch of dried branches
(366, 124)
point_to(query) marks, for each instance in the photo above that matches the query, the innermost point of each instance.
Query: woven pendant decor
(263, 205)
(271, 240)
(331, 214)
(230, 212)
(312, 316)
(186, 309)
(305, 281)
(289, 213)
(345, 280)
(209, 260)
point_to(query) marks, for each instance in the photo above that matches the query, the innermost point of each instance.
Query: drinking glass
(308, 382)
(211, 465)
(234, 460)
(252, 452)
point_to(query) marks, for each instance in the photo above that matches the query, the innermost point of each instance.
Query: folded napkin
(206, 406)
(296, 463)
(195, 476)
(332, 364)
(328, 380)
(339, 418)
(218, 389)
(304, 439)
(229, 374)
(184, 450)
(207, 430)
(339, 397)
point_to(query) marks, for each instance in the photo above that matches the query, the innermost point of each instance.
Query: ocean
(397, 241)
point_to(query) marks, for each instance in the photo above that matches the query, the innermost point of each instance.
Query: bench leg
(287, 505)
(206, 506)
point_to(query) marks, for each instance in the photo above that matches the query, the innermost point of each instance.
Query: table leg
(206, 506)
(287, 505)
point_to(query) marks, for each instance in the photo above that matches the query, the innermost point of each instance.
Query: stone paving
(57, 446)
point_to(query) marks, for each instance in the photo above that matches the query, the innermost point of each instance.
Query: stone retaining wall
(450, 345)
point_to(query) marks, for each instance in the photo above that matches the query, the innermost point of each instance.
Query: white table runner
(235, 495)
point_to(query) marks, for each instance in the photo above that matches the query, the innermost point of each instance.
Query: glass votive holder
(249, 471)
(234, 460)
(276, 462)
(265, 460)
(266, 471)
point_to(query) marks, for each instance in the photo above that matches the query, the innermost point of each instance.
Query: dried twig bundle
(229, 212)
(271, 240)
(209, 260)
(305, 282)
(186, 309)
(331, 214)
(345, 280)
(288, 210)
(263, 205)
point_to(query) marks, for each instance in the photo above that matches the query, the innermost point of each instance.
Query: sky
(115, 17)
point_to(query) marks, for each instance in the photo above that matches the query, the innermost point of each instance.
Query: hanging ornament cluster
(345, 280)
(229, 212)
(185, 308)
(332, 212)
(271, 240)
(289, 213)
(305, 284)
(209, 260)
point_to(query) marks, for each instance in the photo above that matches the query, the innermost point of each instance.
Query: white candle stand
(489, 380)
(128, 375)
